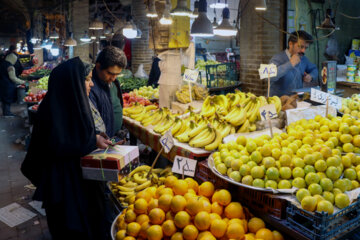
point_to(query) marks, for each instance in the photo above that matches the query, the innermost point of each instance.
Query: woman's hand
(101, 142)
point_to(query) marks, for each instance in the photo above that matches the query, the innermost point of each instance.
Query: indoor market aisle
(14, 187)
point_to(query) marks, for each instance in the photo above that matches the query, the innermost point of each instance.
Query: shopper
(293, 67)
(63, 133)
(109, 65)
(8, 81)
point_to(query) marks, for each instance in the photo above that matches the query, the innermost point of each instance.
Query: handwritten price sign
(167, 141)
(184, 164)
(268, 112)
(190, 75)
(321, 97)
(267, 70)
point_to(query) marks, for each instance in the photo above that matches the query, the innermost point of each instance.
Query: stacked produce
(129, 82)
(201, 64)
(316, 156)
(288, 102)
(147, 92)
(43, 83)
(181, 209)
(35, 97)
(138, 111)
(197, 93)
(36, 71)
(138, 180)
(130, 99)
(351, 106)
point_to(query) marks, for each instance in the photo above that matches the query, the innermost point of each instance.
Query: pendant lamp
(202, 27)
(96, 24)
(70, 41)
(54, 50)
(225, 28)
(166, 18)
(54, 35)
(152, 10)
(85, 38)
(260, 5)
(129, 30)
(219, 4)
(181, 9)
(195, 13)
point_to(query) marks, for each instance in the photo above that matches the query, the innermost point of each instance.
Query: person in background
(106, 94)
(8, 82)
(63, 133)
(293, 67)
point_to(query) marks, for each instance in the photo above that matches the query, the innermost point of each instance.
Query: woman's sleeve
(12, 76)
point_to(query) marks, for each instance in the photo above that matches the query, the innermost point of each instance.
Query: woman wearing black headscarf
(63, 133)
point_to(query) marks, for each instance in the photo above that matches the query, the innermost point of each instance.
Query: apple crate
(203, 174)
(321, 226)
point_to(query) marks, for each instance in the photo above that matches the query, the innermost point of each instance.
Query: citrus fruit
(235, 231)
(325, 206)
(168, 228)
(271, 184)
(177, 204)
(301, 194)
(193, 206)
(140, 206)
(133, 229)
(164, 202)
(258, 183)
(206, 189)
(314, 189)
(277, 235)
(297, 172)
(342, 200)
(182, 219)
(120, 235)
(156, 216)
(285, 172)
(154, 232)
(130, 216)
(312, 178)
(234, 210)
(264, 234)
(180, 187)
(299, 182)
(272, 173)
(255, 224)
(190, 232)
(326, 184)
(142, 218)
(284, 184)
(257, 172)
(177, 236)
(309, 203)
(202, 220)
(223, 197)
(218, 228)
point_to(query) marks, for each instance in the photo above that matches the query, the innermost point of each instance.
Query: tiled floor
(12, 182)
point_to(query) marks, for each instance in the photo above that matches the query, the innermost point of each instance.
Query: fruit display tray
(321, 226)
(114, 227)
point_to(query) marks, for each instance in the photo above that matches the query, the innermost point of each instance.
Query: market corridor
(14, 187)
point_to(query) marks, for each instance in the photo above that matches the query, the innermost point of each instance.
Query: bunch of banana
(164, 125)
(127, 188)
(237, 116)
(200, 93)
(203, 137)
(138, 112)
(276, 101)
(182, 96)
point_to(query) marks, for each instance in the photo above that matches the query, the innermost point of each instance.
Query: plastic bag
(140, 73)
(349, 60)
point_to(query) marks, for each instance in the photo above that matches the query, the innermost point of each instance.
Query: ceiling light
(225, 28)
(70, 41)
(96, 24)
(219, 4)
(54, 35)
(129, 30)
(34, 40)
(215, 24)
(48, 45)
(202, 27)
(152, 11)
(54, 50)
(85, 37)
(195, 13)
(166, 18)
(260, 5)
(102, 37)
(181, 9)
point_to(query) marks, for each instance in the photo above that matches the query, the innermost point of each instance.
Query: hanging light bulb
(195, 13)
(34, 40)
(152, 10)
(181, 9)
(96, 24)
(70, 41)
(219, 4)
(166, 18)
(129, 30)
(48, 44)
(215, 24)
(54, 50)
(54, 35)
(85, 37)
(260, 5)
(202, 27)
(225, 28)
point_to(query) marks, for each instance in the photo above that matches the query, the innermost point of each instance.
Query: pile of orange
(181, 209)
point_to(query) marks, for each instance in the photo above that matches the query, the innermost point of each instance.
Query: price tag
(268, 112)
(267, 70)
(321, 97)
(190, 75)
(167, 141)
(186, 164)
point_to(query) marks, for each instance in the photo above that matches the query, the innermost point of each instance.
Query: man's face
(109, 74)
(299, 47)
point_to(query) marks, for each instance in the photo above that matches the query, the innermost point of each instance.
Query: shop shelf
(220, 75)
(321, 226)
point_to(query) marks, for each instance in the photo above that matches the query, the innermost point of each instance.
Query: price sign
(267, 70)
(167, 141)
(190, 75)
(184, 164)
(268, 112)
(321, 97)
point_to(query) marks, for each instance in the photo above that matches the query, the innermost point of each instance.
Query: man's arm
(12, 76)
(312, 70)
(282, 67)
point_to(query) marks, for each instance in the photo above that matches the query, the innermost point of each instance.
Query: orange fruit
(206, 189)
(169, 216)
(165, 201)
(122, 225)
(192, 184)
(223, 197)
(154, 203)
(169, 228)
(234, 210)
(133, 229)
(193, 206)
(120, 235)
(249, 236)
(235, 220)
(130, 216)
(182, 219)
(190, 190)
(142, 218)
(277, 235)
(151, 191)
(206, 205)
(214, 216)
(217, 208)
(235, 230)
(140, 206)
(157, 216)
(143, 194)
(189, 195)
(202, 220)
(158, 190)
(178, 203)
(206, 235)
(190, 232)
(264, 234)
(143, 230)
(180, 187)
(166, 191)
(218, 228)
(177, 236)
(170, 181)
(226, 220)
(129, 238)
(255, 224)
(154, 232)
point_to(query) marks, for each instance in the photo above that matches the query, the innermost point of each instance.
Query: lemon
(236, 164)
(312, 178)
(247, 180)
(258, 183)
(329, 196)
(348, 147)
(272, 173)
(251, 146)
(308, 169)
(271, 184)
(244, 170)
(325, 206)
(333, 173)
(284, 184)
(276, 153)
(314, 189)
(235, 175)
(285, 172)
(326, 184)
(298, 172)
(301, 193)
(241, 140)
(320, 165)
(285, 160)
(346, 138)
(342, 200)
(256, 156)
(309, 203)
(221, 168)
(299, 182)
(257, 172)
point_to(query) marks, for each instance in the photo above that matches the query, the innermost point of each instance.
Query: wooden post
(156, 159)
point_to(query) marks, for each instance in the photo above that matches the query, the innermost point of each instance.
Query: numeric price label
(184, 164)
(267, 70)
(190, 75)
(268, 112)
(167, 141)
(322, 97)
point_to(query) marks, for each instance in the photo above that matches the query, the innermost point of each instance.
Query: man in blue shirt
(293, 68)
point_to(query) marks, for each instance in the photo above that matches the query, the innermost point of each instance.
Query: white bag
(140, 73)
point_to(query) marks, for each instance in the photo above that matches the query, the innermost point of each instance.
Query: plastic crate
(321, 226)
(221, 75)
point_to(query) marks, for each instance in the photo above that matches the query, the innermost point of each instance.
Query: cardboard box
(116, 157)
(100, 174)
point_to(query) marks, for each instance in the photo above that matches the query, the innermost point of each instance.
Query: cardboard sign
(268, 112)
(190, 75)
(321, 97)
(167, 141)
(267, 70)
(186, 164)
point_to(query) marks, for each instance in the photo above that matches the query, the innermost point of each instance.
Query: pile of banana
(138, 112)
(197, 93)
(239, 109)
(126, 189)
